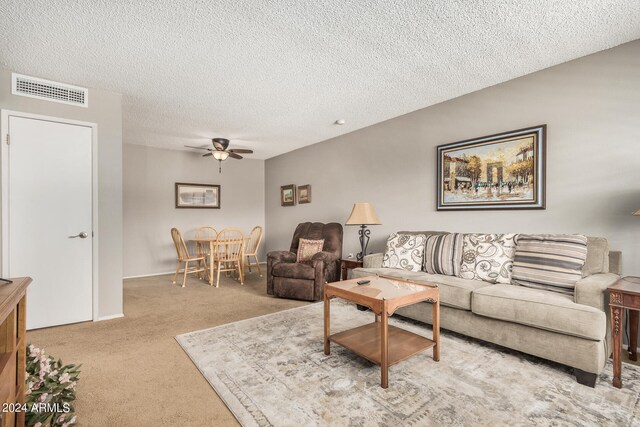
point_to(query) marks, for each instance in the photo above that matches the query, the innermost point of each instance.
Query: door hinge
(8, 139)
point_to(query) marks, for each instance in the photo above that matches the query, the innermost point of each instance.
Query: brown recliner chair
(305, 280)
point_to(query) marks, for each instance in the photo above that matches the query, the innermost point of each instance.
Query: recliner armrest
(282, 256)
(372, 260)
(325, 257)
(591, 290)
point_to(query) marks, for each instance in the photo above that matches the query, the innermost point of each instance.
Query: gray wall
(149, 203)
(105, 109)
(592, 109)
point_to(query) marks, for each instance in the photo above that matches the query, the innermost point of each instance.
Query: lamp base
(364, 234)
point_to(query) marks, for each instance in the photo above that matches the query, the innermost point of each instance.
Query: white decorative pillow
(404, 251)
(488, 257)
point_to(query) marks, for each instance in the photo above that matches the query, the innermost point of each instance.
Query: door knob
(81, 235)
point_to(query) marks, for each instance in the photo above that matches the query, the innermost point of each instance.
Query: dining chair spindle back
(252, 244)
(228, 252)
(185, 257)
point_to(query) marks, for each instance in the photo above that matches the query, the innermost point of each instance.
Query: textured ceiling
(274, 75)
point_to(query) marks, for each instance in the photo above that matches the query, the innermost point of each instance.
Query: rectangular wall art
(503, 171)
(304, 194)
(201, 196)
(288, 195)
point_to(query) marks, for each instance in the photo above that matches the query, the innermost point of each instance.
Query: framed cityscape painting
(198, 196)
(502, 171)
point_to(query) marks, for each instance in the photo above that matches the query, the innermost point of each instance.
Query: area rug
(272, 371)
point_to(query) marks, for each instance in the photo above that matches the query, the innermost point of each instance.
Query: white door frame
(4, 191)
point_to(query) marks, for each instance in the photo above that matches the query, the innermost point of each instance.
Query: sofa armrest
(282, 256)
(592, 290)
(614, 262)
(372, 260)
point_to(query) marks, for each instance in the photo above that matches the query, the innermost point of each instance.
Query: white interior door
(50, 200)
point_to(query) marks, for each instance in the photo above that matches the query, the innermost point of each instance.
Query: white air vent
(34, 87)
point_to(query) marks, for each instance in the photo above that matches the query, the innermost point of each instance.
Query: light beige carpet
(272, 371)
(134, 373)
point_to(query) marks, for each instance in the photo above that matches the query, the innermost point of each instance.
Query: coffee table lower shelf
(365, 342)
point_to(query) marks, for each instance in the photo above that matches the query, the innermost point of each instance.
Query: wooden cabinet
(13, 342)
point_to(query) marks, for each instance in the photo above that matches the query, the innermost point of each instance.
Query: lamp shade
(637, 213)
(363, 214)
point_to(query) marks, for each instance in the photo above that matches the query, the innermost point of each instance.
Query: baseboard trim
(113, 316)
(150, 275)
(139, 276)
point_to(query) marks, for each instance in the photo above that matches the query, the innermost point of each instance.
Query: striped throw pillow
(443, 254)
(549, 262)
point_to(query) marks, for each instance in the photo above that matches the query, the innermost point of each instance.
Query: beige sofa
(573, 331)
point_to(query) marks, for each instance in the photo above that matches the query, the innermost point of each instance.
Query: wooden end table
(378, 342)
(348, 264)
(13, 349)
(624, 294)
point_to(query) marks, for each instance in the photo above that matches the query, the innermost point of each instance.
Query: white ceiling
(274, 75)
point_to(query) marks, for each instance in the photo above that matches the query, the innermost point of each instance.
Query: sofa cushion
(443, 254)
(295, 270)
(405, 251)
(487, 257)
(549, 262)
(597, 256)
(542, 309)
(454, 291)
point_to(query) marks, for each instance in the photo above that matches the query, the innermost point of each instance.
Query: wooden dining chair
(228, 252)
(185, 257)
(252, 243)
(202, 249)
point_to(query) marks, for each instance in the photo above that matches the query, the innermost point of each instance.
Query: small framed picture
(304, 193)
(197, 196)
(288, 195)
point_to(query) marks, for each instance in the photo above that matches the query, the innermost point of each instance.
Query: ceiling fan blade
(234, 155)
(198, 148)
(207, 155)
(241, 150)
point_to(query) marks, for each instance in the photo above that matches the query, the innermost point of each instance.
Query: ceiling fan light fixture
(220, 155)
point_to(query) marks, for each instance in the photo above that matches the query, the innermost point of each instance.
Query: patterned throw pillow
(549, 262)
(487, 257)
(308, 248)
(443, 254)
(404, 251)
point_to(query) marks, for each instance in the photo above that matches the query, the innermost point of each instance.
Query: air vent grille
(34, 87)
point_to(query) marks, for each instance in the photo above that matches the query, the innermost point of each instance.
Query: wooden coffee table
(378, 342)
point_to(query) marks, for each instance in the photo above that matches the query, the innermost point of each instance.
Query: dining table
(212, 242)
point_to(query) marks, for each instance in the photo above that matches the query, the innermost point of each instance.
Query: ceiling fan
(220, 152)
